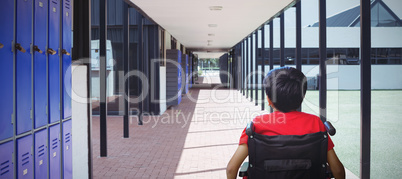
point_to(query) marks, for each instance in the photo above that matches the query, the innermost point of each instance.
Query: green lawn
(343, 108)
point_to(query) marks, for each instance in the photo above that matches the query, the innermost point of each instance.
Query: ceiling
(189, 21)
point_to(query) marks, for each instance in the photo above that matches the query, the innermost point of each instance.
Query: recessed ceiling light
(211, 34)
(215, 8)
(212, 25)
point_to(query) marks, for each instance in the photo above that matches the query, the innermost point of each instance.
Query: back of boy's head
(285, 87)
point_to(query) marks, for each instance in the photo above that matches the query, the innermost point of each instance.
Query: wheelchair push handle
(330, 128)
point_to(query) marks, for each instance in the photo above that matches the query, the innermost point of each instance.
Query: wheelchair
(287, 156)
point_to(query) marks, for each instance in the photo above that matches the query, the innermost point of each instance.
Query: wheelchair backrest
(287, 156)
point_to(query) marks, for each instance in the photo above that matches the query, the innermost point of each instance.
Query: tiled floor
(192, 140)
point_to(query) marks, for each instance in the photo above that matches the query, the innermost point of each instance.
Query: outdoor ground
(343, 108)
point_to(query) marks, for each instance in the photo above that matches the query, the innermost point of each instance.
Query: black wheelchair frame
(287, 156)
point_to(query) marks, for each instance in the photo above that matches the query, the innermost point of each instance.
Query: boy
(285, 88)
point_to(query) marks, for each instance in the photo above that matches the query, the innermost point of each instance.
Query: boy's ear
(269, 101)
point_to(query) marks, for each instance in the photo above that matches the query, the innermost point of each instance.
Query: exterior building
(343, 42)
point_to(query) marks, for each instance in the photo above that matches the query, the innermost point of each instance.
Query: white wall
(162, 89)
(79, 125)
(339, 37)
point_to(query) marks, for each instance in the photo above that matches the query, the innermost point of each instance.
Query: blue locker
(54, 61)
(67, 150)
(6, 68)
(66, 51)
(23, 69)
(179, 78)
(40, 92)
(6, 160)
(186, 66)
(24, 157)
(54, 151)
(41, 154)
(191, 72)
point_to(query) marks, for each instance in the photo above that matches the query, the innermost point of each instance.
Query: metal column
(140, 23)
(365, 93)
(263, 67)
(256, 68)
(271, 45)
(246, 74)
(282, 38)
(271, 49)
(323, 58)
(298, 36)
(126, 43)
(243, 67)
(298, 39)
(251, 67)
(102, 59)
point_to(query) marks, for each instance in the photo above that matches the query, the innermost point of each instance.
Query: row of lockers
(35, 53)
(186, 63)
(179, 71)
(173, 77)
(45, 153)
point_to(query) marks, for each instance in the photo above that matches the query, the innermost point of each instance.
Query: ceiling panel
(188, 20)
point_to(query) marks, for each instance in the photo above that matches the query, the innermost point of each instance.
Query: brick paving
(195, 139)
(192, 140)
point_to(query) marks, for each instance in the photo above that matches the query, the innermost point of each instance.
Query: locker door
(54, 61)
(191, 72)
(67, 150)
(6, 160)
(179, 78)
(6, 67)
(54, 151)
(39, 46)
(24, 157)
(23, 61)
(186, 56)
(66, 52)
(41, 154)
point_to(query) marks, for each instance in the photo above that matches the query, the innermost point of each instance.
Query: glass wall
(151, 34)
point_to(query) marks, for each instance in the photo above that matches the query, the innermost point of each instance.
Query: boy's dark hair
(285, 87)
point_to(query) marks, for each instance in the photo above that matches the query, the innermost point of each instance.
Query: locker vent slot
(41, 150)
(25, 159)
(67, 137)
(5, 167)
(55, 143)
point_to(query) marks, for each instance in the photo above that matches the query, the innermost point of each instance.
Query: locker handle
(20, 48)
(36, 48)
(51, 51)
(1, 45)
(64, 51)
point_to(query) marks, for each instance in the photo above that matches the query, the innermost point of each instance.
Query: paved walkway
(195, 139)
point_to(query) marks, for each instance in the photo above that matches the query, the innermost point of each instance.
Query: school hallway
(195, 139)
(192, 140)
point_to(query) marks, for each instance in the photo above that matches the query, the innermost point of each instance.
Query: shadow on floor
(153, 150)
